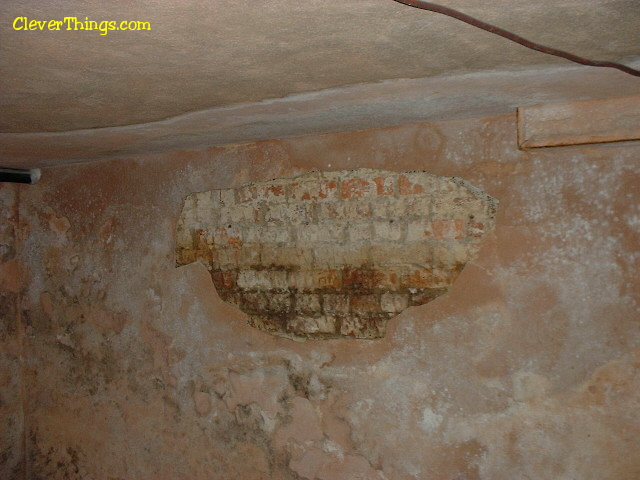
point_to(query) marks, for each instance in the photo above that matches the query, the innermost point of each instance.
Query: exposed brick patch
(333, 254)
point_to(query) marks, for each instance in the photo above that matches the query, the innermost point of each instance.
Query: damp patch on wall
(334, 254)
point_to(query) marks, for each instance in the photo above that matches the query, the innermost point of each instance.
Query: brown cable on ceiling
(433, 7)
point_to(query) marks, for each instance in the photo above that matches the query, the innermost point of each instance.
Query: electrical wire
(433, 7)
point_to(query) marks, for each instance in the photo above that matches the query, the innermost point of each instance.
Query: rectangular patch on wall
(579, 123)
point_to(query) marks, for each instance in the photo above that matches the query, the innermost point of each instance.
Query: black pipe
(16, 175)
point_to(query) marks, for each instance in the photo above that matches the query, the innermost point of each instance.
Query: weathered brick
(279, 303)
(333, 303)
(238, 214)
(384, 185)
(224, 280)
(286, 256)
(391, 254)
(323, 233)
(361, 279)
(359, 304)
(330, 254)
(357, 187)
(295, 214)
(312, 280)
(448, 229)
(364, 327)
(275, 324)
(255, 302)
(267, 233)
(416, 206)
(204, 203)
(419, 231)
(224, 198)
(262, 279)
(185, 256)
(249, 255)
(351, 326)
(465, 201)
(384, 207)
(475, 229)
(330, 279)
(355, 208)
(389, 279)
(188, 210)
(408, 186)
(205, 209)
(275, 192)
(360, 231)
(230, 257)
(303, 281)
(233, 297)
(307, 303)
(423, 296)
(323, 324)
(201, 238)
(388, 230)
(204, 254)
(246, 194)
(331, 210)
(337, 256)
(427, 278)
(445, 186)
(226, 257)
(227, 235)
(450, 257)
(439, 229)
(394, 302)
(320, 189)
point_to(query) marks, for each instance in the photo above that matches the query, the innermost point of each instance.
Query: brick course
(332, 254)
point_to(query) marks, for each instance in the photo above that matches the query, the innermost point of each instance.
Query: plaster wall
(11, 412)
(527, 368)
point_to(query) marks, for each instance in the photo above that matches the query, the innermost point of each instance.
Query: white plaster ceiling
(229, 64)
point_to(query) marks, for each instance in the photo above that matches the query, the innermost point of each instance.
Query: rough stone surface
(11, 408)
(334, 254)
(527, 369)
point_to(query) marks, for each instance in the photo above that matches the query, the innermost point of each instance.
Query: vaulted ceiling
(220, 71)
